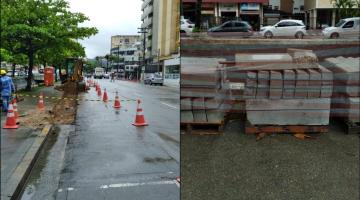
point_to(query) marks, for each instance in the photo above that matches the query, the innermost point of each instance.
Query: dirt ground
(63, 112)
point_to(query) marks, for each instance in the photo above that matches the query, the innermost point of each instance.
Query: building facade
(127, 50)
(277, 10)
(322, 12)
(215, 12)
(162, 40)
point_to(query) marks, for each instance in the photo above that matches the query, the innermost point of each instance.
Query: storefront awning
(228, 1)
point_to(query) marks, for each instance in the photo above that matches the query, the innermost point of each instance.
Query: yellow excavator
(72, 71)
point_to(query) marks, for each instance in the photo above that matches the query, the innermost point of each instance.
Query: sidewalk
(19, 147)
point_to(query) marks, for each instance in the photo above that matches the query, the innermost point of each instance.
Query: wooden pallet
(255, 129)
(203, 128)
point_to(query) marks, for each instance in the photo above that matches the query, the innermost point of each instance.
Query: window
(283, 24)
(349, 24)
(302, 8)
(239, 24)
(228, 25)
(276, 7)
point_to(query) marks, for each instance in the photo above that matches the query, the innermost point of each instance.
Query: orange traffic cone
(117, 101)
(41, 105)
(16, 113)
(105, 96)
(139, 119)
(10, 119)
(99, 91)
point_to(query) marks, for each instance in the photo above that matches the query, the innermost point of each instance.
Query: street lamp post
(143, 31)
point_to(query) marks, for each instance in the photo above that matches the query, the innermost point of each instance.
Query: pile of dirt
(36, 119)
(64, 112)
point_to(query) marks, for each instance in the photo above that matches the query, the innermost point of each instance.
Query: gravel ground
(236, 166)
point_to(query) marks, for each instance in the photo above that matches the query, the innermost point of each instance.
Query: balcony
(147, 22)
(146, 12)
(145, 3)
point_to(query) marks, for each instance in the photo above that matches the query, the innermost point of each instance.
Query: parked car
(242, 27)
(107, 76)
(153, 79)
(345, 28)
(289, 27)
(186, 26)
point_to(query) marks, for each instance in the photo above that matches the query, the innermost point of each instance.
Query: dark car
(241, 27)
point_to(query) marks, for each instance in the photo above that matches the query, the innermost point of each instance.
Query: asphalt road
(106, 157)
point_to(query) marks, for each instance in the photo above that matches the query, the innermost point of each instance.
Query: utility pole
(143, 31)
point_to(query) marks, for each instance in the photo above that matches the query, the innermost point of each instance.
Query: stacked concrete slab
(202, 91)
(280, 91)
(345, 101)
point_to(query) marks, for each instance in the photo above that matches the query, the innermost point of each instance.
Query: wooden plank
(252, 129)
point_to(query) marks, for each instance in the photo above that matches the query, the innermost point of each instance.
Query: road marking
(60, 190)
(168, 105)
(122, 185)
(70, 189)
(137, 94)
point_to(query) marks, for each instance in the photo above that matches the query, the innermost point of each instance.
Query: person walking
(112, 75)
(7, 88)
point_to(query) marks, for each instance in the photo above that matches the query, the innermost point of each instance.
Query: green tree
(346, 8)
(29, 26)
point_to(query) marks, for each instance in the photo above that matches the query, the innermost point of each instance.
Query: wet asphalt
(106, 157)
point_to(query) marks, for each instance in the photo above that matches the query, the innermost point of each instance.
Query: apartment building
(321, 12)
(127, 47)
(161, 20)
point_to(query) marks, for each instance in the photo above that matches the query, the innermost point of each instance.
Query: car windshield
(340, 23)
(157, 76)
(189, 22)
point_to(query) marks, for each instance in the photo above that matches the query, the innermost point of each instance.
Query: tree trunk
(13, 70)
(198, 14)
(30, 74)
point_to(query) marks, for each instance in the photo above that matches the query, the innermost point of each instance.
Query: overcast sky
(110, 17)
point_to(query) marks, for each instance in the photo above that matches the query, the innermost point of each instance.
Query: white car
(289, 27)
(345, 28)
(186, 26)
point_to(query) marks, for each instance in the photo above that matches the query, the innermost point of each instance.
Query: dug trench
(62, 113)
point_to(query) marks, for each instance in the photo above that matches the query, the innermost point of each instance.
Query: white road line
(168, 105)
(137, 94)
(122, 185)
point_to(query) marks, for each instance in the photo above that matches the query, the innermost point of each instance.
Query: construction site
(276, 114)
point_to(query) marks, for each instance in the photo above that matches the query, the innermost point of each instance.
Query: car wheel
(299, 35)
(334, 35)
(150, 83)
(268, 34)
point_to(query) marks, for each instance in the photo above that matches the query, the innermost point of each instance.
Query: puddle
(168, 138)
(157, 160)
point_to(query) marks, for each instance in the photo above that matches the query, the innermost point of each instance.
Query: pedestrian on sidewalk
(7, 88)
(112, 77)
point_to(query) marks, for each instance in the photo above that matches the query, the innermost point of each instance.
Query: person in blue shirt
(7, 88)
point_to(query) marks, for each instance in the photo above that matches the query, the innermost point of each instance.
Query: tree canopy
(44, 30)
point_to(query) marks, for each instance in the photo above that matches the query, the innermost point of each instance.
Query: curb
(18, 179)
